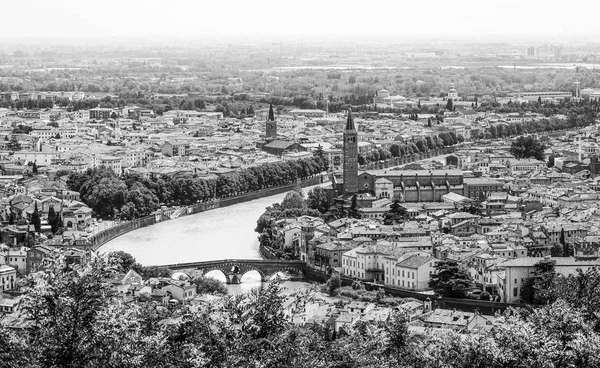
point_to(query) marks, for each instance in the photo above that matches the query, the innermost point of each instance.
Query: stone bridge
(235, 269)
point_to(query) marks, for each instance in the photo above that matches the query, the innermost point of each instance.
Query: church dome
(384, 91)
(452, 90)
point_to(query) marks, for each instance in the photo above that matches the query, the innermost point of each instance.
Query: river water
(222, 233)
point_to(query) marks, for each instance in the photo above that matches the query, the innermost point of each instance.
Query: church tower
(350, 156)
(271, 124)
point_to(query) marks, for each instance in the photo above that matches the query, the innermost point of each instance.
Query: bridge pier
(234, 269)
(233, 278)
(264, 278)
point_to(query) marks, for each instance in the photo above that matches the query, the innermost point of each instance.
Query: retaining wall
(104, 236)
(392, 162)
(99, 239)
(267, 253)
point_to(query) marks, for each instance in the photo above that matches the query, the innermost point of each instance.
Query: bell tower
(350, 156)
(271, 129)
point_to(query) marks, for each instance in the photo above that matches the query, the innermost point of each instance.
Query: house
(330, 254)
(358, 307)
(131, 277)
(9, 305)
(450, 319)
(83, 216)
(414, 272)
(519, 269)
(278, 147)
(480, 188)
(100, 113)
(51, 202)
(8, 277)
(181, 291)
(74, 256)
(38, 257)
(175, 149)
(412, 309)
(160, 295)
(77, 217)
(345, 319)
(17, 258)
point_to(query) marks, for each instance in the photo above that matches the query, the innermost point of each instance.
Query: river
(222, 233)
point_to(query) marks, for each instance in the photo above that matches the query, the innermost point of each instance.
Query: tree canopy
(75, 319)
(528, 146)
(450, 279)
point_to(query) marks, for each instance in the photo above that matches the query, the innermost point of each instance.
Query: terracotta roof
(414, 261)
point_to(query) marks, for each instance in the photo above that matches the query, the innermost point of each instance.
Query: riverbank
(99, 239)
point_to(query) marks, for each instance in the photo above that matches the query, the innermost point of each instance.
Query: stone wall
(267, 253)
(99, 239)
(224, 202)
(407, 159)
(104, 236)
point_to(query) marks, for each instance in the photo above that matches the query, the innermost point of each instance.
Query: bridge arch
(204, 272)
(235, 269)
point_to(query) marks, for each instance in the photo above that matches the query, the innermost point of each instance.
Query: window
(515, 291)
(403, 276)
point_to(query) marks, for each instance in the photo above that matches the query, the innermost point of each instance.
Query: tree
(209, 285)
(293, 200)
(536, 289)
(449, 279)
(36, 219)
(551, 159)
(13, 144)
(319, 152)
(317, 199)
(354, 208)
(62, 308)
(528, 146)
(472, 207)
(398, 335)
(338, 209)
(122, 260)
(34, 168)
(581, 291)
(395, 150)
(449, 105)
(396, 214)
(557, 250)
(333, 283)
(52, 219)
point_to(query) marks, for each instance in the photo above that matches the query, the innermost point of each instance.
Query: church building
(271, 128)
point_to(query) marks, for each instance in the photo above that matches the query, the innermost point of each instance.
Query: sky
(270, 19)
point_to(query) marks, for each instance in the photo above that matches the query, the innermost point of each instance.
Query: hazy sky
(201, 18)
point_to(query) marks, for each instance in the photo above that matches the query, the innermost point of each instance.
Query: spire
(271, 115)
(350, 121)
